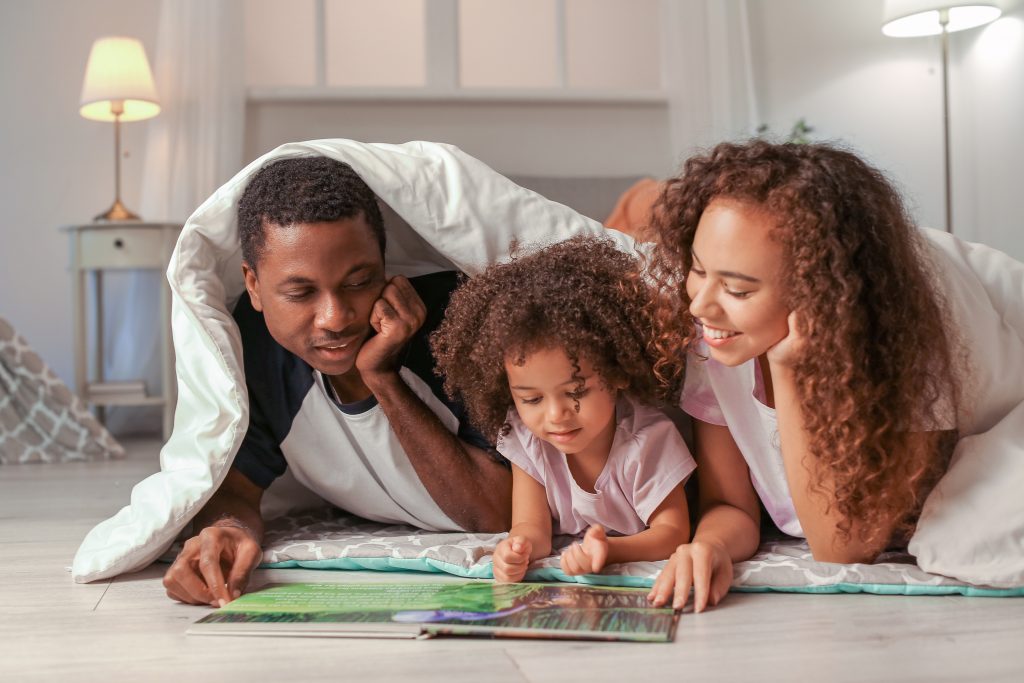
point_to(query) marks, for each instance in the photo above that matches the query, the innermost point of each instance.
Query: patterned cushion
(327, 539)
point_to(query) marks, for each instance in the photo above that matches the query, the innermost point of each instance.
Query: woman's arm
(729, 526)
(816, 509)
(530, 535)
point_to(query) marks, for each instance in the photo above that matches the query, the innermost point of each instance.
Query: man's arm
(228, 534)
(470, 486)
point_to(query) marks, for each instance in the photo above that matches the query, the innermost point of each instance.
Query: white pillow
(463, 214)
(972, 524)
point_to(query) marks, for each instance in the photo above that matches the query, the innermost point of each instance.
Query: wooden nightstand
(96, 247)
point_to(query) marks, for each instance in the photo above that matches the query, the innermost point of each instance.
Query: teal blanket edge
(483, 571)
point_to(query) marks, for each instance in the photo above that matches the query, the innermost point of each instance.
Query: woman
(822, 368)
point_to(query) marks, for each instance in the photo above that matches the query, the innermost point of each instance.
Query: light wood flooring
(126, 629)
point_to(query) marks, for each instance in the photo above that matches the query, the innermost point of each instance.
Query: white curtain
(193, 147)
(709, 73)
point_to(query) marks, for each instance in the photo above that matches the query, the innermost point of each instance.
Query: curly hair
(303, 190)
(880, 356)
(581, 295)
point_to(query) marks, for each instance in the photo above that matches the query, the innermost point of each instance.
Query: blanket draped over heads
(455, 212)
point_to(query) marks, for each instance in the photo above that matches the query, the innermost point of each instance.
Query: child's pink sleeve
(515, 446)
(660, 461)
(699, 399)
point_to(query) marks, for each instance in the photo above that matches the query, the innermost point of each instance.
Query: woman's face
(734, 285)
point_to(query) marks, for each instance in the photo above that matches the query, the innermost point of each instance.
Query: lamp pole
(944, 23)
(117, 212)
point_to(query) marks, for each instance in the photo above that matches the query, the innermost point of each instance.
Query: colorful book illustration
(423, 610)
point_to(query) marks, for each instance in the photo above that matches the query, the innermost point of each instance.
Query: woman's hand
(588, 556)
(705, 566)
(788, 349)
(511, 559)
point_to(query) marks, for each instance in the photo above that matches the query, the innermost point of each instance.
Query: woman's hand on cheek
(706, 567)
(787, 350)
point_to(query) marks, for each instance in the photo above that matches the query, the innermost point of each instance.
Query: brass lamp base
(117, 212)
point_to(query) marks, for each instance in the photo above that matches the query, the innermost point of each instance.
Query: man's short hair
(303, 190)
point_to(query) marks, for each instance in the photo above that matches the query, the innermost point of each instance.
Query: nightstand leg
(81, 332)
(101, 413)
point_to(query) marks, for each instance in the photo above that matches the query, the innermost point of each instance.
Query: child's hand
(511, 559)
(705, 566)
(589, 556)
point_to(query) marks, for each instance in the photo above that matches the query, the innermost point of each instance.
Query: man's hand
(587, 557)
(396, 316)
(705, 566)
(197, 576)
(511, 559)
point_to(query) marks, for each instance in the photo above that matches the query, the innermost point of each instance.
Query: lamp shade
(908, 18)
(118, 72)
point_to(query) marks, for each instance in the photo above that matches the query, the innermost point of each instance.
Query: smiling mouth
(717, 333)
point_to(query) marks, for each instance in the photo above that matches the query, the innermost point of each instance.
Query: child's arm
(729, 526)
(530, 535)
(668, 527)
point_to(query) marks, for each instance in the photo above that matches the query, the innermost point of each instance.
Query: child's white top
(734, 397)
(648, 459)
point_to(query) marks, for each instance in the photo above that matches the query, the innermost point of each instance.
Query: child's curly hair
(880, 356)
(581, 295)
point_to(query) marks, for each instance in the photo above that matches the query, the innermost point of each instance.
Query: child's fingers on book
(574, 560)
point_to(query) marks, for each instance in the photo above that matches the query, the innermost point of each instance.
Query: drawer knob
(119, 243)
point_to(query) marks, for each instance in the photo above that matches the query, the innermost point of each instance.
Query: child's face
(734, 284)
(546, 396)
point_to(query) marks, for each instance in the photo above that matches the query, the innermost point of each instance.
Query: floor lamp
(118, 87)
(912, 18)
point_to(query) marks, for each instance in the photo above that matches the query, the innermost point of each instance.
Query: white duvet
(465, 215)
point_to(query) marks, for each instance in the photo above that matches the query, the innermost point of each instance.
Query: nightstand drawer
(130, 248)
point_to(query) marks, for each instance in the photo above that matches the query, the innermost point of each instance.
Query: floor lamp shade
(909, 18)
(118, 87)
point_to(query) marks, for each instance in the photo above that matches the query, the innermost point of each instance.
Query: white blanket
(463, 214)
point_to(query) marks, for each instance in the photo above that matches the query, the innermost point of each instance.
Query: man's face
(316, 284)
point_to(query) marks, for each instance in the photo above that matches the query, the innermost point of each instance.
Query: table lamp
(118, 87)
(912, 18)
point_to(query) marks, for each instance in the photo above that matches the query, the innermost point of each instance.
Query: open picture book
(424, 610)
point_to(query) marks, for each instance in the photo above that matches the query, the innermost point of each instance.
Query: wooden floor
(127, 630)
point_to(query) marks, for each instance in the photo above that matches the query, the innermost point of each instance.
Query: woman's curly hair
(880, 357)
(581, 295)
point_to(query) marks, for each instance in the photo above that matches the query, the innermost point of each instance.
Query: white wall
(827, 61)
(553, 139)
(56, 167)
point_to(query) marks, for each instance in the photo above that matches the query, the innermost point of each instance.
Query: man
(340, 381)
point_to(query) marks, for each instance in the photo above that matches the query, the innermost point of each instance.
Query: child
(553, 352)
(823, 370)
